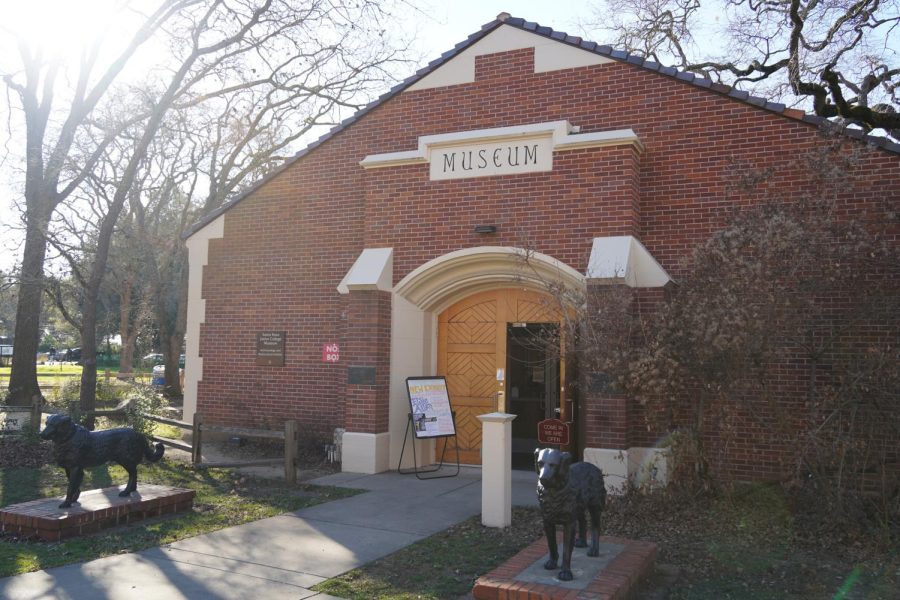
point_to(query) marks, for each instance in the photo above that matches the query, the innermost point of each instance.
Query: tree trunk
(23, 384)
(88, 395)
(126, 360)
(172, 354)
(170, 304)
(172, 340)
(127, 330)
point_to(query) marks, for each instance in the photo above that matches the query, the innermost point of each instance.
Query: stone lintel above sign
(499, 150)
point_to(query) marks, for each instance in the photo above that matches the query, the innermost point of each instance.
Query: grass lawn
(223, 500)
(60, 373)
(48, 375)
(442, 566)
(49, 370)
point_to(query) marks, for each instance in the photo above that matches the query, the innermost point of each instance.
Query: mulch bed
(751, 543)
(16, 452)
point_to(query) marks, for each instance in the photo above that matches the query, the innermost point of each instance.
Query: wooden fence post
(195, 439)
(36, 414)
(290, 452)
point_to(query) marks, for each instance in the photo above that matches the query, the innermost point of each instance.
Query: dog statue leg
(581, 540)
(75, 476)
(594, 550)
(568, 543)
(550, 533)
(132, 481)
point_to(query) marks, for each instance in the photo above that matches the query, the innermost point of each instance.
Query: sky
(449, 23)
(438, 25)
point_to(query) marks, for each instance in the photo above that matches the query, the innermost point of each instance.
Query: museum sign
(486, 159)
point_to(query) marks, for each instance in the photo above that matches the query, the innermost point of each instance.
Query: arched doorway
(483, 341)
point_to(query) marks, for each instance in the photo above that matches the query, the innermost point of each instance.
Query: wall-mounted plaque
(270, 349)
(429, 404)
(361, 375)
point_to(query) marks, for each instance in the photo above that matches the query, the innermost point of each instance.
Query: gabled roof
(563, 38)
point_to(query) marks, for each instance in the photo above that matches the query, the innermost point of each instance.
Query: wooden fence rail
(289, 435)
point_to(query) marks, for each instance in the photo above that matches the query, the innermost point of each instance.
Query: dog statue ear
(565, 462)
(537, 453)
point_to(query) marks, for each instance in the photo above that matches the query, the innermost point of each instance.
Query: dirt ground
(311, 464)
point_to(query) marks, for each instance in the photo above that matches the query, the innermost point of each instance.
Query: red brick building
(390, 247)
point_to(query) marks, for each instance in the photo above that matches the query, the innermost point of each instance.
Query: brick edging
(618, 581)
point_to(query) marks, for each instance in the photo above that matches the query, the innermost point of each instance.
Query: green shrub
(144, 400)
(66, 399)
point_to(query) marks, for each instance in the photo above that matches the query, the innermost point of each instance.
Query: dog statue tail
(153, 454)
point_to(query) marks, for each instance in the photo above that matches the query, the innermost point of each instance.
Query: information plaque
(429, 405)
(270, 349)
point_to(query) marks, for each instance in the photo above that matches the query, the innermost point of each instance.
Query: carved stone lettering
(492, 158)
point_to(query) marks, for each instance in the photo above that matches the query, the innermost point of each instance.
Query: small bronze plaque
(270, 349)
(361, 375)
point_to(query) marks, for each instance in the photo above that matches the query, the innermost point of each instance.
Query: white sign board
(12, 419)
(429, 405)
(483, 159)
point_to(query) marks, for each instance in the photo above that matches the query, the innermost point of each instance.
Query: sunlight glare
(60, 27)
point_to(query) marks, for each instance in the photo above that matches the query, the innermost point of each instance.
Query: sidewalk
(280, 557)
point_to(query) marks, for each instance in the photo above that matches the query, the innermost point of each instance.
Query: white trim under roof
(562, 134)
(549, 55)
(623, 259)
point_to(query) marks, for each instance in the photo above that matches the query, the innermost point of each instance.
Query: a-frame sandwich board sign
(430, 416)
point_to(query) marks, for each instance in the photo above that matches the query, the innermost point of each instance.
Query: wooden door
(471, 348)
(467, 357)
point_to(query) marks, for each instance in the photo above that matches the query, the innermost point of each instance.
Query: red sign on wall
(553, 431)
(331, 353)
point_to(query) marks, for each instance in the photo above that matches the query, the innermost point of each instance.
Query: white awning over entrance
(623, 259)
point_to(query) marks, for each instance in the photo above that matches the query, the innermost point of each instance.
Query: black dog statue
(75, 448)
(565, 491)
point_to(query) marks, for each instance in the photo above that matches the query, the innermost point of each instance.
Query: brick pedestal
(614, 576)
(96, 510)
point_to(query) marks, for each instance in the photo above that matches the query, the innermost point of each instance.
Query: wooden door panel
(468, 434)
(467, 335)
(471, 347)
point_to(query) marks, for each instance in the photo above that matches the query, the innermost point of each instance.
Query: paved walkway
(280, 557)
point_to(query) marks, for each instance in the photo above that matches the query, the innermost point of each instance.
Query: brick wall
(368, 346)
(287, 246)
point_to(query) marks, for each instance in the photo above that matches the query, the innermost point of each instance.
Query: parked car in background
(154, 358)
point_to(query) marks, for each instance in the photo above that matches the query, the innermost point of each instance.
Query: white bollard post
(496, 469)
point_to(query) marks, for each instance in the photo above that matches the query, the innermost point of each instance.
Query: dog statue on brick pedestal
(565, 491)
(75, 448)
